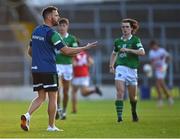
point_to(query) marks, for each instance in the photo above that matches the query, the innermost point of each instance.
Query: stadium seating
(158, 19)
(11, 60)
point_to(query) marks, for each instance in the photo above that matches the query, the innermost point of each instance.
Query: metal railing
(96, 25)
(150, 25)
(15, 58)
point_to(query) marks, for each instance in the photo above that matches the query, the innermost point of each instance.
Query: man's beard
(55, 23)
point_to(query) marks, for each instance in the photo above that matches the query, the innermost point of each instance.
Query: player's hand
(124, 50)
(111, 69)
(90, 45)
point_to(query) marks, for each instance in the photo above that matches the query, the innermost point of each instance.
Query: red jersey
(81, 68)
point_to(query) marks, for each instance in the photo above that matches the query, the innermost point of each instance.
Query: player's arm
(168, 57)
(112, 61)
(138, 48)
(90, 61)
(74, 44)
(140, 51)
(30, 51)
(58, 43)
(113, 57)
(152, 60)
(30, 48)
(72, 51)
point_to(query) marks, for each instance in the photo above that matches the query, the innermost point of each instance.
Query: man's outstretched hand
(90, 45)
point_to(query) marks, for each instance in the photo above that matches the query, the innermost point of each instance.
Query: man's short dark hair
(48, 10)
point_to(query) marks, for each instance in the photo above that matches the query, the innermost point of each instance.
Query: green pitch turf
(95, 119)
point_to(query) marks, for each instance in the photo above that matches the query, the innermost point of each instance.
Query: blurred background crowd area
(90, 20)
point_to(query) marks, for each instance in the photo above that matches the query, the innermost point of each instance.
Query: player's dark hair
(48, 10)
(64, 21)
(133, 23)
(152, 43)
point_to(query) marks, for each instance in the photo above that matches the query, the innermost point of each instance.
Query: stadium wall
(26, 93)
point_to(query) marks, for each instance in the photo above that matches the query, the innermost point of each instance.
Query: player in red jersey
(81, 64)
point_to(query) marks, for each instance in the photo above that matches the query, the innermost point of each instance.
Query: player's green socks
(119, 108)
(133, 109)
(133, 106)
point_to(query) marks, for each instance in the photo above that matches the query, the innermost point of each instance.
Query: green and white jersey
(70, 41)
(127, 59)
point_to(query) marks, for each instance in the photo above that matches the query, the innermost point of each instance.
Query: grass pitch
(95, 119)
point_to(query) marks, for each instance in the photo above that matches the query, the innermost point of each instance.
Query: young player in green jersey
(124, 63)
(64, 66)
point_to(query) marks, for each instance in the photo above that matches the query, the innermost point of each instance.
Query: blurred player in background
(124, 58)
(159, 58)
(45, 79)
(64, 67)
(81, 78)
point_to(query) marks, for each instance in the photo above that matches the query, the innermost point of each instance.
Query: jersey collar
(67, 34)
(127, 39)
